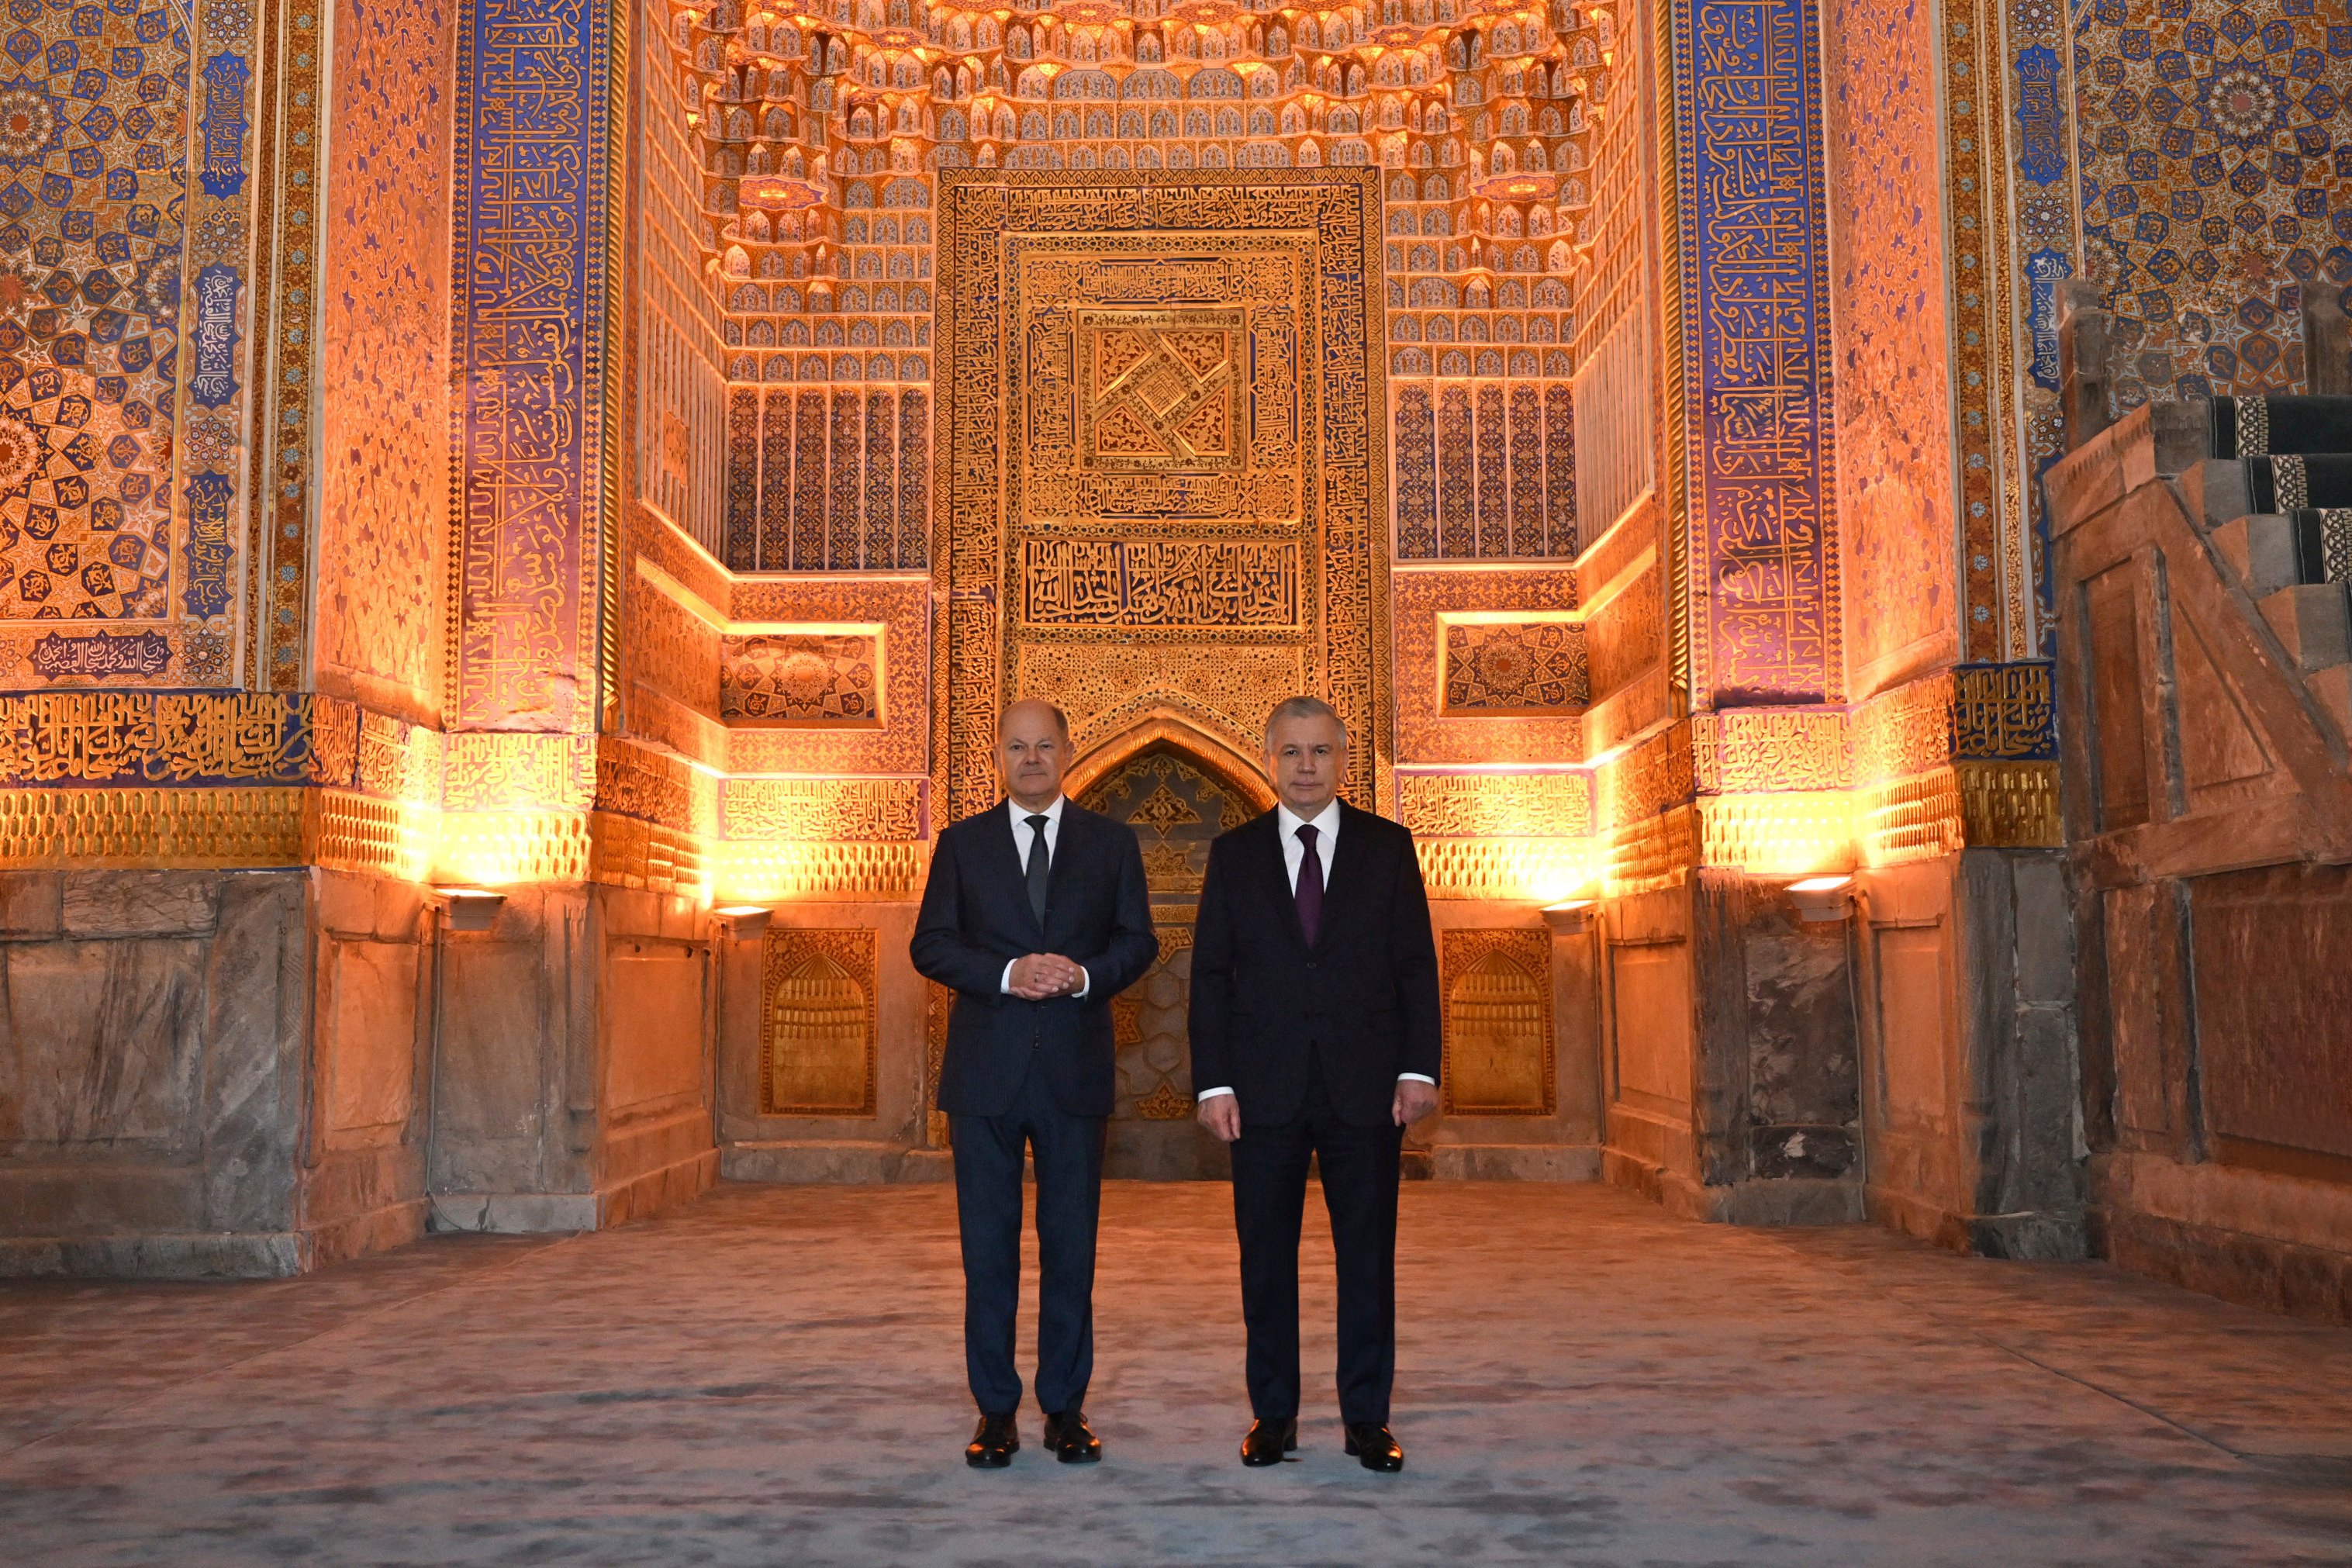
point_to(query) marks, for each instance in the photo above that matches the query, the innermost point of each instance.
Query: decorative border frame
(1752, 67)
(531, 322)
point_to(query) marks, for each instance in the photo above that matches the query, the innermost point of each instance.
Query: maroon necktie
(1309, 892)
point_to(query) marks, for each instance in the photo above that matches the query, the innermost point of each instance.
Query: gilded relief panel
(892, 614)
(1496, 804)
(1168, 493)
(802, 678)
(1490, 666)
(817, 1023)
(1888, 287)
(1497, 986)
(385, 356)
(1504, 667)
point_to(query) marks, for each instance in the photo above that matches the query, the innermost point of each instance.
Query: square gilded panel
(1502, 667)
(1160, 391)
(828, 678)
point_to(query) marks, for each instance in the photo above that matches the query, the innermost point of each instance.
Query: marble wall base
(843, 1163)
(1971, 1092)
(1729, 1064)
(896, 1139)
(2267, 1238)
(1914, 1063)
(1515, 1163)
(209, 1072)
(575, 1064)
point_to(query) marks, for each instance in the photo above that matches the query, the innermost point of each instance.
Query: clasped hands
(1221, 1113)
(1042, 975)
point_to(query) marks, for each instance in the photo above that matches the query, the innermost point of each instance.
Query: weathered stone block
(138, 903)
(492, 1011)
(31, 903)
(100, 1046)
(257, 988)
(2044, 927)
(371, 1054)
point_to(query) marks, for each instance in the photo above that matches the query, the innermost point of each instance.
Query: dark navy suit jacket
(1361, 1004)
(976, 919)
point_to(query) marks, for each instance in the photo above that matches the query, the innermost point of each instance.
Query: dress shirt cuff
(1417, 1078)
(1211, 1094)
(1005, 984)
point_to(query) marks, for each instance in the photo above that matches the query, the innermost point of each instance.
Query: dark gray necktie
(1040, 868)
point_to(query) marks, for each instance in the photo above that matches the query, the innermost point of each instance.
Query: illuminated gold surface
(1497, 986)
(763, 870)
(1169, 502)
(2010, 805)
(1521, 870)
(816, 1024)
(188, 827)
(1915, 818)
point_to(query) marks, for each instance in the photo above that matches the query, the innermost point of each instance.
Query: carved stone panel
(817, 1023)
(1496, 987)
(1500, 668)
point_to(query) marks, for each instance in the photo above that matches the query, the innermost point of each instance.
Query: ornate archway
(1178, 794)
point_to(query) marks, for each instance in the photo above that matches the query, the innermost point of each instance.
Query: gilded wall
(384, 360)
(678, 447)
(1892, 383)
(702, 481)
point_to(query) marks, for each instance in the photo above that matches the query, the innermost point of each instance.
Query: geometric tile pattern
(1513, 667)
(2215, 186)
(801, 679)
(93, 106)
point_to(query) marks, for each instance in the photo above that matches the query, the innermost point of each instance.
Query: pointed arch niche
(1177, 789)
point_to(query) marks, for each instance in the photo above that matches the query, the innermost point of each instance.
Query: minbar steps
(2275, 495)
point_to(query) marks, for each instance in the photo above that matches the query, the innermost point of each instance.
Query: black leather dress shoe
(994, 1444)
(1069, 1439)
(1372, 1445)
(1268, 1441)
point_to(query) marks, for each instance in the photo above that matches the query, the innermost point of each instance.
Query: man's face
(1031, 753)
(1307, 759)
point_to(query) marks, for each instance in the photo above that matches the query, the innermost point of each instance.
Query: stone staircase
(2200, 553)
(2274, 497)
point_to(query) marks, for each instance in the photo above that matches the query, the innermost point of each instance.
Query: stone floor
(773, 1375)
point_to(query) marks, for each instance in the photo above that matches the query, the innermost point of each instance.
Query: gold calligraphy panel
(1159, 466)
(1206, 586)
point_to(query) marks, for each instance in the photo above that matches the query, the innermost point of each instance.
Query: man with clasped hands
(1315, 1032)
(1035, 913)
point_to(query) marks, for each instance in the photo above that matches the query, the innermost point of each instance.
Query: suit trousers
(1359, 1168)
(988, 1159)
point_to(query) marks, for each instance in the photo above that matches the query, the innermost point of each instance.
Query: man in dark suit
(1036, 914)
(1315, 1032)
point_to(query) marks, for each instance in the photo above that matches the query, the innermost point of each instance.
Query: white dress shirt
(1021, 833)
(1326, 824)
